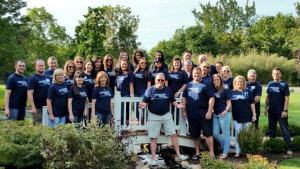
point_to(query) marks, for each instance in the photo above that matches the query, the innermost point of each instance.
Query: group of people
(210, 95)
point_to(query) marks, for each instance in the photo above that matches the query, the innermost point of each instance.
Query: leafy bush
(275, 145)
(296, 143)
(258, 162)
(207, 161)
(20, 144)
(293, 128)
(68, 147)
(250, 140)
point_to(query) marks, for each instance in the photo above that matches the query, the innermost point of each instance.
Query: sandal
(196, 157)
(237, 155)
(223, 156)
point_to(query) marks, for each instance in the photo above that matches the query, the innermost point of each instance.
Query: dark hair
(221, 83)
(134, 61)
(276, 68)
(220, 63)
(95, 58)
(93, 64)
(172, 67)
(146, 69)
(76, 75)
(119, 69)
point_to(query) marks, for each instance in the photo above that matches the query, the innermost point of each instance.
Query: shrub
(293, 128)
(207, 161)
(275, 145)
(68, 147)
(250, 140)
(20, 144)
(258, 162)
(296, 143)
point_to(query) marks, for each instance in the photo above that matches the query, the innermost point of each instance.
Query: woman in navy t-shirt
(158, 68)
(205, 72)
(77, 99)
(108, 66)
(101, 99)
(69, 70)
(98, 64)
(221, 115)
(57, 99)
(89, 79)
(243, 108)
(125, 86)
(227, 77)
(188, 67)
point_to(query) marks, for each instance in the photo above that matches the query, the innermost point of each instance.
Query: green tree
(46, 37)
(11, 35)
(105, 30)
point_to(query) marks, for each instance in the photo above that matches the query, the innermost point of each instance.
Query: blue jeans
(57, 121)
(78, 119)
(127, 110)
(103, 118)
(17, 114)
(283, 122)
(137, 108)
(224, 124)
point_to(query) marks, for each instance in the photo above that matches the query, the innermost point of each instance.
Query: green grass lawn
(290, 164)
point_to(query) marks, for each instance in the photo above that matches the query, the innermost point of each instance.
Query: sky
(158, 18)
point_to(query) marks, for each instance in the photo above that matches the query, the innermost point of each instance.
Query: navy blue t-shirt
(256, 90)
(78, 102)
(89, 82)
(177, 80)
(49, 72)
(154, 73)
(18, 86)
(123, 83)
(197, 97)
(207, 79)
(59, 95)
(241, 105)
(228, 84)
(159, 100)
(140, 83)
(220, 101)
(69, 81)
(103, 97)
(277, 93)
(112, 80)
(40, 85)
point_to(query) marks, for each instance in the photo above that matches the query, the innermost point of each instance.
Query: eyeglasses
(160, 80)
(206, 67)
(78, 61)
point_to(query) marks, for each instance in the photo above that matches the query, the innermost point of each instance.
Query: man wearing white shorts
(159, 97)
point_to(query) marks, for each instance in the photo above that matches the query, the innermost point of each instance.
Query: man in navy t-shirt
(276, 107)
(52, 64)
(256, 90)
(198, 98)
(159, 98)
(37, 90)
(16, 93)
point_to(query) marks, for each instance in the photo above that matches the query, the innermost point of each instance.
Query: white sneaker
(180, 158)
(152, 163)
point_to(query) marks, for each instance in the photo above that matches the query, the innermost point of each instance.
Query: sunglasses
(160, 80)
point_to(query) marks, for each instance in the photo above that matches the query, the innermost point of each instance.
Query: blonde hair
(235, 81)
(99, 76)
(66, 68)
(226, 67)
(57, 72)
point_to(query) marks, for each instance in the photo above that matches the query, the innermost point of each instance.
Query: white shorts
(155, 122)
